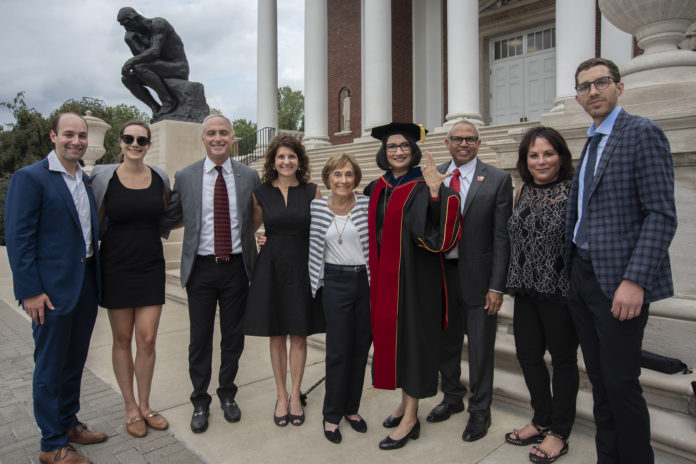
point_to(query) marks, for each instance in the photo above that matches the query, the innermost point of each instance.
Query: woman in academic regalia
(413, 219)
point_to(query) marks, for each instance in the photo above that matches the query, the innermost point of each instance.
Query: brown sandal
(136, 427)
(156, 421)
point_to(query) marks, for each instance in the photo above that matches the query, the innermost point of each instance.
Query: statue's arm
(159, 33)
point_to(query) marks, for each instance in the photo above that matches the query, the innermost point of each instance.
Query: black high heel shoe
(358, 425)
(333, 437)
(391, 444)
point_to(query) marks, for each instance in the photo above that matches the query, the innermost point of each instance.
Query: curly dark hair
(288, 141)
(558, 143)
(381, 156)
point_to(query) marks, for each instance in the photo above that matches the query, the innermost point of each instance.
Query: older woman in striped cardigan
(338, 261)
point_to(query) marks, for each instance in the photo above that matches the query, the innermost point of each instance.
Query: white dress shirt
(79, 195)
(206, 242)
(467, 176)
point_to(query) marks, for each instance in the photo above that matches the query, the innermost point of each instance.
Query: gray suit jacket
(484, 249)
(186, 203)
(99, 180)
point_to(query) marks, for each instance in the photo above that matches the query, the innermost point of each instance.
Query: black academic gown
(407, 291)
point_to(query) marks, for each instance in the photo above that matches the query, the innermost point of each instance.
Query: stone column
(463, 61)
(377, 65)
(267, 65)
(575, 42)
(316, 85)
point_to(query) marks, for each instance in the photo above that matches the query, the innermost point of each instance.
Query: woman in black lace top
(537, 278)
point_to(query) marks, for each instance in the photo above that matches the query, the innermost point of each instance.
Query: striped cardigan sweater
(322, 217)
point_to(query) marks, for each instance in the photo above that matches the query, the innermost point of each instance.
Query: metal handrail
(253, 146)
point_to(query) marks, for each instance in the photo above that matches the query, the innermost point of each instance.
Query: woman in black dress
(131, 197)
(280, 302)
(538, 280)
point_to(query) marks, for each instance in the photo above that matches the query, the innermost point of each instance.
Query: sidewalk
(255, 439)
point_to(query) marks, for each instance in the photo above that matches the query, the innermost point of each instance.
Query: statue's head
(130, 19)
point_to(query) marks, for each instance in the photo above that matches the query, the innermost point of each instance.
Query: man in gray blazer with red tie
(620, 221)
(475, 272)
(213, 197)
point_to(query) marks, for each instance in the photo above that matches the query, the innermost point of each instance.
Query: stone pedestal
(175, 144)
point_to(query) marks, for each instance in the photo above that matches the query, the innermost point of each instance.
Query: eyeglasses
(469, 140)
(405, 146)
(128, 139)
(600, 84)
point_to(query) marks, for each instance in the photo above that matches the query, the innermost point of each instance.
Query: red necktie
(221, 215)
(454, 182)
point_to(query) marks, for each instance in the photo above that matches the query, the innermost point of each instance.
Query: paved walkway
(253, 440)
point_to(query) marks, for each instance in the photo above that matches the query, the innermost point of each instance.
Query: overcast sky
(58, 50)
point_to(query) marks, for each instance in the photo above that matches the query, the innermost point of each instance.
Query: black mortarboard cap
(414, 131)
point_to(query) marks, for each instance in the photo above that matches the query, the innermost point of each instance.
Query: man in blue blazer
(620, 221)
(212, 276)
(51, 235)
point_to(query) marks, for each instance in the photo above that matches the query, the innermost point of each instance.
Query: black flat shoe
(391, 444)
(333, 437)
(199, 420)
(278, 420)
(391, 422)
(358, 425)
(443, 411)
(547, 458)
(477, 427)
(231, 410)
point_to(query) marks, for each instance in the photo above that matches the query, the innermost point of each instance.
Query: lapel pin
(480, 178)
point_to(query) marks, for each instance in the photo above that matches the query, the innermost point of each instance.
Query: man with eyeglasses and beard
(475, 272)
(620, 220)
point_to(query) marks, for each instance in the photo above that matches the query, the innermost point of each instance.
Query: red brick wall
(344, 65)
(402, 61)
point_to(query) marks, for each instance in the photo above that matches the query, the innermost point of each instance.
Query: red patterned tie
(454, 182)
(221, 214)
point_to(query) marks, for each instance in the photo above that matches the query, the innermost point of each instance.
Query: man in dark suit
(476, 272)
(51, 235)
(620, 221)
(213, 197)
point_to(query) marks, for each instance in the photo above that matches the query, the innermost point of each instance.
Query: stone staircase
(670, 399)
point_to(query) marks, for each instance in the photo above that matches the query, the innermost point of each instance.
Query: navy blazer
(632, 217)
(44, 239)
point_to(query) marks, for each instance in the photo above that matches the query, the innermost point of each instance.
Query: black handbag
(660, 363)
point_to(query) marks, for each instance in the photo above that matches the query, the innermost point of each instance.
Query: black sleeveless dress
(132, 262)
(280, 300)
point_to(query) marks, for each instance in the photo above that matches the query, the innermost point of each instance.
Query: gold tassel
(422, 133)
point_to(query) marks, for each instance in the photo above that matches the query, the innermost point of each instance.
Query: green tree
(290, 109)
(244, 135)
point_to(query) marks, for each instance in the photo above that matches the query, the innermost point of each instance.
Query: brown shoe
(136, 427)
(64, 455)
(156, 421)
(83, 435)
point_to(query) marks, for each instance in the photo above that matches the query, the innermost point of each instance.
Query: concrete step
(670, 400)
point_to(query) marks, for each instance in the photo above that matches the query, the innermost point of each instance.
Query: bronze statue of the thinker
(159, 62)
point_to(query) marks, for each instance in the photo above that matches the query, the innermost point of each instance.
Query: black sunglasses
(128, 139)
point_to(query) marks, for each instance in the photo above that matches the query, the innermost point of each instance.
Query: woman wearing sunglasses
(131, 198)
